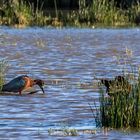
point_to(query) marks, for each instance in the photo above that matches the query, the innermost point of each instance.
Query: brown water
(68, 60)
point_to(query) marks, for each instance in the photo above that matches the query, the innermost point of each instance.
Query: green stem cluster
(3, 68)
(121, 110)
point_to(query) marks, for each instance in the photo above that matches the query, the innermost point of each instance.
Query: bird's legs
(20, 92)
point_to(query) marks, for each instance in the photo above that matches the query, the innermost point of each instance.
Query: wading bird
(119, 84)
(22, 83)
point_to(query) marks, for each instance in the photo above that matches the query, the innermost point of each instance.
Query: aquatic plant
(3, 68)
(50, 131)
(70, 132)
(63, 131)
(121, 109)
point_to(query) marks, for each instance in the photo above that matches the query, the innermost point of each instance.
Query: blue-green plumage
(15, 85)
(21, 83)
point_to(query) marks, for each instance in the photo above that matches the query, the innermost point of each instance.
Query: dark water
(68, 60)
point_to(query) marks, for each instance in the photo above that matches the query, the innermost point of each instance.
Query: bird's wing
(14, 85)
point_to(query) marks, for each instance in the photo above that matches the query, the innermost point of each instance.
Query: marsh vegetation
(3, 69)
(121, 108)
(96, 13)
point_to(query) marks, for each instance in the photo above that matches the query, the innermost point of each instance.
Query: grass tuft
(121, 110)
(3, 68)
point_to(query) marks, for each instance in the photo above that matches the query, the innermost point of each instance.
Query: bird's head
(40, 83)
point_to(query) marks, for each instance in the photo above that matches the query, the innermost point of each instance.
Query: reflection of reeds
(3, 67)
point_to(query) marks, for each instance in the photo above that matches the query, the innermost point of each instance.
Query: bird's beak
(42, 89)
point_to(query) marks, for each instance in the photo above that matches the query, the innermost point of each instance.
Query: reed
(37, 14)
(134, 13)
(106, 12)
(99, 12)
(122, 110)
(16, 13)
(23, 14)
(103, 12)
(3, 68)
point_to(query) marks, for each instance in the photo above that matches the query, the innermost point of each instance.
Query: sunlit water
(68, 60)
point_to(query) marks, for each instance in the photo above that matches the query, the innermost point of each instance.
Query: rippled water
(68, 60)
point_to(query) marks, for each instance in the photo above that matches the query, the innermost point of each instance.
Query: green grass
(121, 110)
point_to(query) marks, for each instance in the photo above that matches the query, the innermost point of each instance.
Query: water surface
(68, 60)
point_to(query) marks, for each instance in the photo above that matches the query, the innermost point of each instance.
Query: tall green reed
(122, 109)
(23, 13)
(16, 13)
(56, 11)
(106, 12)
(38, 17)
(134, 13)
(3, 69)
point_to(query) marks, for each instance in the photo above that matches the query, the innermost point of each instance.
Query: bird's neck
(29, 82)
